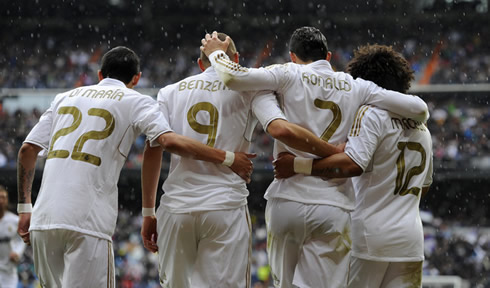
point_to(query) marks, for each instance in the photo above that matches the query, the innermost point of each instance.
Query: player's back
(91, 130)
(386, 222)
(324, 102)
(203, 108)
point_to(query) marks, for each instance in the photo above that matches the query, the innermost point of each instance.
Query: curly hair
(383, 66)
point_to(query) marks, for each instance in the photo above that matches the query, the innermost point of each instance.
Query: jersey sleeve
(409, 106)
(40, 134)
(266, 108)
(363, 137)
(241, 78)
(150, 120)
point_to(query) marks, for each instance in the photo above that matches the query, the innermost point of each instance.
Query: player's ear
(99, 73)
(135, 79)
(201, 65)
(329, 56)
(293, 57)
(236, 57)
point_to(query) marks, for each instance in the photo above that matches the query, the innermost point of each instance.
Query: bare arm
(336, 166)
(150, 174)
(300, 138)
(188, 147)
(26, 165)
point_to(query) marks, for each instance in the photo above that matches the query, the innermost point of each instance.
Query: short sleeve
(364, 137)
(40, 134)
(266, 108)
(150, 120)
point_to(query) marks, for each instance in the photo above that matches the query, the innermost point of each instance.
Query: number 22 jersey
(87, 133)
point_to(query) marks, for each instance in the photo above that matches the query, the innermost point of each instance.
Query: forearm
(190, 148)
(300, 138)
(150, 174)
(26, 166)
(336, 166)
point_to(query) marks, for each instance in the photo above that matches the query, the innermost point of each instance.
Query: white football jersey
(9, 242)
(396, 155)
(203, 108)
(88, 133)
(322, 101)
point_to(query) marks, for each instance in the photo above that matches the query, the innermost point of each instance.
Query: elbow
(169, 141)
(353, 170)
(279, 131)
(28, 150)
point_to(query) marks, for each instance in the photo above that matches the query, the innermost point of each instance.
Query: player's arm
(409, 106)
(184, 146)
(232, 74)
(26, 166)
(266, 108)
(300, 138)
(150, 174)
(336, 166)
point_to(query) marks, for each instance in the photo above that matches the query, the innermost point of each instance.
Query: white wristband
(148, 212)
(24, 208)
(229, 159)
(303, 165)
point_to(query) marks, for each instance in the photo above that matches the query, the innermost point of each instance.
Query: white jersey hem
(387, 258)
(71, 228)
(349, 208)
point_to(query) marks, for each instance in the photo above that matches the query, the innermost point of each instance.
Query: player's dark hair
(309, 44)
(231, 51)
(120, 63)
(383, 66)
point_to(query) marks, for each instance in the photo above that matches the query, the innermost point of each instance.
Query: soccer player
(87, 134)
(11, 245)
(308, 218)
(393, 156)
(203, 223)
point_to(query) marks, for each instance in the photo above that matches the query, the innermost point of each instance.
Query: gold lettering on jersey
(406, 124)
(98, 94)
(202, 85)
(326, 83)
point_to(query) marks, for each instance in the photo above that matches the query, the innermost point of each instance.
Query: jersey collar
(321, 63)
(111, 82)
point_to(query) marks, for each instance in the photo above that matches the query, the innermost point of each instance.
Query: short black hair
(120, 63)
(382, 65)
(309, 44)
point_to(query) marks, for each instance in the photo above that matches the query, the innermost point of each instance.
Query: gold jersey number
(401, 187)
(77, 153)
(337, 117)
(210, 129)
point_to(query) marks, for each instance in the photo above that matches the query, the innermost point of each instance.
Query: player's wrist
(148, 212)
(229, 159)
(23, 208)
(303, 165)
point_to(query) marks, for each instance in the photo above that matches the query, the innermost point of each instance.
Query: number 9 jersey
(87, 134)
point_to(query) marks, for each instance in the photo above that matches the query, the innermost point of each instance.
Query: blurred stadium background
(50, 46)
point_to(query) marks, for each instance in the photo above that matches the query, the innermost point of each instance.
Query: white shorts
(308, 245)
(367, 273)
(65, 258)
(207, 248)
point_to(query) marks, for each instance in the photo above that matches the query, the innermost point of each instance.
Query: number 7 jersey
(87, 134)
(396, 156)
